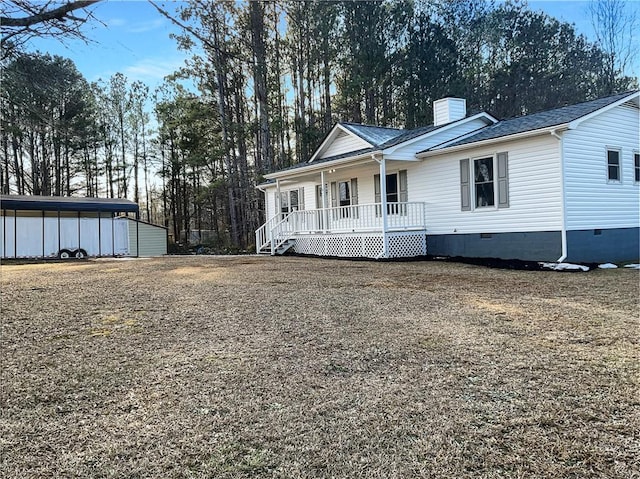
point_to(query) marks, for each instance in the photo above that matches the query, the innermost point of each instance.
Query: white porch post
(383, 205)
(323, 195)
(278, 213)
(278, 198)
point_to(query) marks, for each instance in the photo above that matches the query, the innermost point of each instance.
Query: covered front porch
(353, 208)
(376, 230)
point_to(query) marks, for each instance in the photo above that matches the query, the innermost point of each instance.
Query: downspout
(562, 204)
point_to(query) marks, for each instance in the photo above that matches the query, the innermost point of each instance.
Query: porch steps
(280, 250)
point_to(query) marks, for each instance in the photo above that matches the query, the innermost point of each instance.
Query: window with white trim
(483, 182)
(636, 166)
(613, 165)
(292, 200)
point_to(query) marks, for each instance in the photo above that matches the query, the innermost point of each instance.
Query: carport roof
(63, 203)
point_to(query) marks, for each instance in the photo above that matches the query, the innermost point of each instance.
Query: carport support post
(137, 233)
(113, 235)
(15, 233)
(99, 234)
(79, 229)
(58, 231)
(4, 233)
(43, 233)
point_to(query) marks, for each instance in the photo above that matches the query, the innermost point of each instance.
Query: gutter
(562, 205)
(320, 166)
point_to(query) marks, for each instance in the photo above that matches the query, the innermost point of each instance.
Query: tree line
(264, 84)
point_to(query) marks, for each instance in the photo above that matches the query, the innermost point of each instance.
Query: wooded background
(265, 83)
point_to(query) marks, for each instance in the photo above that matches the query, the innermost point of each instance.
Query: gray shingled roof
(325, 160)
(379, 137)
(376, 135)
(409, 135)
(536, 121)
(383, 137)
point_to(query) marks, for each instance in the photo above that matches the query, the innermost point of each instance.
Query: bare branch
(21, 20)
(59, 13)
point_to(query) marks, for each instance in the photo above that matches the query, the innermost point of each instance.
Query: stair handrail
(262, 237)
(279, 234)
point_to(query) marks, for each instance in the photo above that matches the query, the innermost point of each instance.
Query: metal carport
(80, 208)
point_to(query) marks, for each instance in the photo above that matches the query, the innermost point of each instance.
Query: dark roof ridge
(366, 125)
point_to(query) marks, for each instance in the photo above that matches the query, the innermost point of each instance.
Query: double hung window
(613, 165)
(484, 182)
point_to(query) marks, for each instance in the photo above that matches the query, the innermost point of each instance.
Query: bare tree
(615, 23)
(21, 20)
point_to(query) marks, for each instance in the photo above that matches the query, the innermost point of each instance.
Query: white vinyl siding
(534, 195)
(344, 143)
(364, 190)
(307, 201)
(593, 202)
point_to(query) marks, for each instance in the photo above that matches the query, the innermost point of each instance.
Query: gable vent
(447, 110)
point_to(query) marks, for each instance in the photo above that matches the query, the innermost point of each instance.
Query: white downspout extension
(383, 203)
(562, 205)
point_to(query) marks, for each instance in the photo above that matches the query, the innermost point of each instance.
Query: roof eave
(574, 124)
(319, 166)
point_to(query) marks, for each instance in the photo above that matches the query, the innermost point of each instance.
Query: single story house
(559, 185)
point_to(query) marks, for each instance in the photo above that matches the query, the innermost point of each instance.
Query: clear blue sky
(134, 39)
(129, 37)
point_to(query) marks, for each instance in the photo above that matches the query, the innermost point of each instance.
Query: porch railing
(263, 233)
(355, 218)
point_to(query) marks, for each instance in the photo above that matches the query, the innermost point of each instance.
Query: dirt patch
(289, 367)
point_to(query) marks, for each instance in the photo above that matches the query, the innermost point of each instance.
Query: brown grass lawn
(299, 368)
